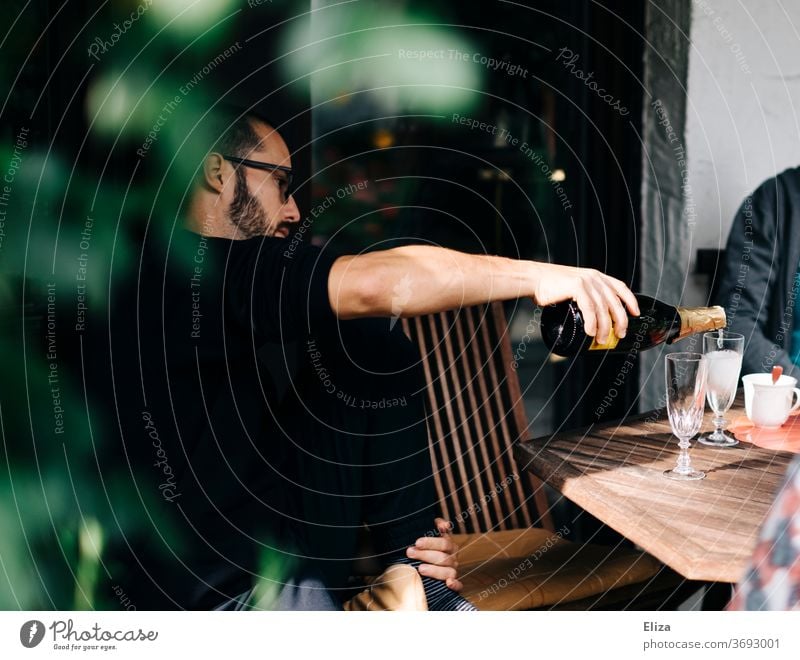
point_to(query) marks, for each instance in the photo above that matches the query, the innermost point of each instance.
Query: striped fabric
(440, 597)
(772, 580)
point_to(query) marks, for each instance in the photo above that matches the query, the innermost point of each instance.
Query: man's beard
(246, 212)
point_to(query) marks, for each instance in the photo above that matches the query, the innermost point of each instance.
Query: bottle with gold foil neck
(658, 323)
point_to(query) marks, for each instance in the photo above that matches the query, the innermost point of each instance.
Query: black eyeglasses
(284, 184)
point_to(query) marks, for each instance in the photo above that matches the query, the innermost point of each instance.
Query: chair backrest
(475, 415)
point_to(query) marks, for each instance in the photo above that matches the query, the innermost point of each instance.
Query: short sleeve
(278, 288)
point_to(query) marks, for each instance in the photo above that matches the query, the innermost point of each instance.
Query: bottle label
(610, 345)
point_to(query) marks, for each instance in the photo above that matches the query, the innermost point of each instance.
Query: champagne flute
(686, 399)
(723, 350)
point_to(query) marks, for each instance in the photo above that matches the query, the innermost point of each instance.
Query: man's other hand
(438, 555)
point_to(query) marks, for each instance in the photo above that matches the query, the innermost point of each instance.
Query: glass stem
(684, 462)
(719, 424)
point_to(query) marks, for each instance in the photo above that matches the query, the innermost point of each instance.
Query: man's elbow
(364, 298)
(372, 298)
(356, 292)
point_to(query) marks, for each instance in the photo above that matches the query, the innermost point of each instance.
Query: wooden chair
(511, 556)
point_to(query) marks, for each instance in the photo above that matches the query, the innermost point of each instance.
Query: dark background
(429, 179)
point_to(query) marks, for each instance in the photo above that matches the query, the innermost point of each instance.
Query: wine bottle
(562, 327)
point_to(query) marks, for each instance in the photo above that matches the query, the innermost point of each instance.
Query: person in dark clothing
(208, 430)
(250, 475)
(759, 282)
(356, 420)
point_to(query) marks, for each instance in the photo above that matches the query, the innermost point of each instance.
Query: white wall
(743, 111)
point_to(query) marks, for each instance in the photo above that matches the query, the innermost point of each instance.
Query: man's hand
(438, 556)
(599, 297)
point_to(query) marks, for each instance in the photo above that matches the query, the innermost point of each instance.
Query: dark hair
(232, 128)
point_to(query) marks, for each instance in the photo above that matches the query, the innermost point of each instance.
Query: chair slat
(490, 439)
(475, 416)
(462, 429)
(456, 469)
(414, 329)
(499, 432)
(521, 419)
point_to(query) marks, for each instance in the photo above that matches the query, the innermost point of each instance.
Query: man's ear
(215, 171)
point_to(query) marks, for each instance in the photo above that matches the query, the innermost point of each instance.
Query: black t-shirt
(257, 430)
(356, 437)
(177, 367)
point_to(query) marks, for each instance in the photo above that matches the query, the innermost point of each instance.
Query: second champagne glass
(686, 401)
(723, 351)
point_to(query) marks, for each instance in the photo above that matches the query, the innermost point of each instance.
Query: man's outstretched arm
(421, 279)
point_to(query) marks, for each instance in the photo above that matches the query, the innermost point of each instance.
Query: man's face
(258, 204)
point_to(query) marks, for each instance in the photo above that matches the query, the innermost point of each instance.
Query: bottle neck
(699, 319)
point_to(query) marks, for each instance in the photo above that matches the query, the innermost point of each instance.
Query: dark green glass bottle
(562, 327)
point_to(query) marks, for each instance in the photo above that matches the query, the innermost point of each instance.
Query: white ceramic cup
(767, 405)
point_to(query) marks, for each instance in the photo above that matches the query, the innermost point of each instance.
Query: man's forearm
(421, 279)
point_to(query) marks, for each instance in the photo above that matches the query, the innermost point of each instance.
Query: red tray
(785, 438)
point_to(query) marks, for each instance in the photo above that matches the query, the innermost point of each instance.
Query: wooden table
(704, 530)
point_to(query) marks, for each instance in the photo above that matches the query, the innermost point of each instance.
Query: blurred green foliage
(116, 110)
(118, 162)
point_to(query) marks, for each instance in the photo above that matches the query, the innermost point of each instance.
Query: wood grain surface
(705, 530)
